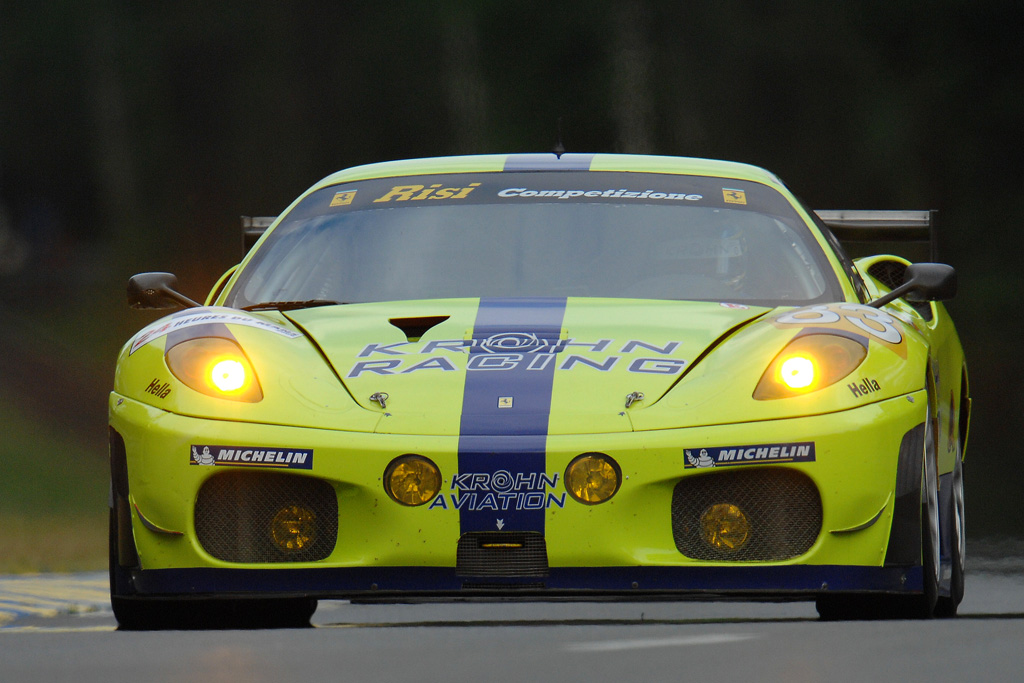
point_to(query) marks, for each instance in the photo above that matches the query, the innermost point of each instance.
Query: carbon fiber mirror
(156, 291)
(923, 282)
(930, 282)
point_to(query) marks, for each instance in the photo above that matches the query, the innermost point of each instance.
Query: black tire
(136, 613)
(157, 614)
(922, 606)
(947, 607)
(832, 607)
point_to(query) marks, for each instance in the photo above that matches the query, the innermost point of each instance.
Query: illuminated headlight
(293, 528)
(725, 527)
(808, 363)
(412, 480)
(215, 366)
(228, 375)
(797, 372)
(592, 478)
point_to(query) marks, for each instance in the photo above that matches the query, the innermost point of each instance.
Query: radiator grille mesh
(782, 506)
(497, 553)
(235, 510)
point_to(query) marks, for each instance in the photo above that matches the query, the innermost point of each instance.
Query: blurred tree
(133, 135)
(631, 87)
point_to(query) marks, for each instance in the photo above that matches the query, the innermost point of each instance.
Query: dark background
(133, 135)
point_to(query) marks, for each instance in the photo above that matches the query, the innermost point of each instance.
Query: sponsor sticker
(511, 351)
(727, 456)
(528, 193)
(857, 319)
(501, 490)
(863, 387)
(158, 388)
(417, 193)
(206, 316)
(343, 198)
(734, 196)
(251, 456)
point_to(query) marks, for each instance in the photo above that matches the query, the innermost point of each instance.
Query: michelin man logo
(702, 460)
(204, 458)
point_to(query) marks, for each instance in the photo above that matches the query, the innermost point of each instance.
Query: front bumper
(623, 548)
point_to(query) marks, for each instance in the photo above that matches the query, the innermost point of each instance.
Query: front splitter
(580, 583)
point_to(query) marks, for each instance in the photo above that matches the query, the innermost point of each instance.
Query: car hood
(514, 366)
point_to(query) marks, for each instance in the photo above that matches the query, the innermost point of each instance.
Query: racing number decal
(815, 315)
(889, 333)
(854, 318)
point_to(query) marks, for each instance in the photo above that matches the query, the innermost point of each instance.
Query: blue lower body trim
(581, 582)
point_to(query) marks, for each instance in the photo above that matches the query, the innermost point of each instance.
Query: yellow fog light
(293, 528)
(412, 480)
(725, 527)
(592, 478)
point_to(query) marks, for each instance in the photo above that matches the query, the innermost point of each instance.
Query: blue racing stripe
(548, 162)
(505, 410)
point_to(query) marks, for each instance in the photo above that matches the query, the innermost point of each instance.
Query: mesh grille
(498, 553)
(890, 274)
(782, 506)
(235, 511)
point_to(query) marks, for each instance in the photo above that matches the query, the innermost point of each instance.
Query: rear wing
(847, 225)
(882, 226)
(253, 228)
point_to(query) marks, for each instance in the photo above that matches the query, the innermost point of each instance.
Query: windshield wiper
(289, 305)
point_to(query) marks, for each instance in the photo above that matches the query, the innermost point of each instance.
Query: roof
(496, 163)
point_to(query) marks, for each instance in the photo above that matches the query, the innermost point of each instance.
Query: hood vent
(414, 328)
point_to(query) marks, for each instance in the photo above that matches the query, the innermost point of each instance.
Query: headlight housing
(808, 363)
(215, 366)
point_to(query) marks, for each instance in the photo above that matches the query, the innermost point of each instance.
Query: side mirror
(923, 282)
(155, 291)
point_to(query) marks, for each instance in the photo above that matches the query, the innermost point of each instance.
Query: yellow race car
(543, 376)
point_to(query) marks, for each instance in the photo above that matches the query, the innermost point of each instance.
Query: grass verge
(53, 544)
(53, 496)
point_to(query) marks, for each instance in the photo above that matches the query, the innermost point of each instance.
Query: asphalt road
(538, 642)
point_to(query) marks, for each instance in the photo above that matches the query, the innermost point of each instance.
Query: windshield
(594, 234)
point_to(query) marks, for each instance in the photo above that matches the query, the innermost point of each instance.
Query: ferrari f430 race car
(543, 377)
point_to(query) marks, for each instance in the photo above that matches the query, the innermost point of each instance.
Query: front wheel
(923, 606)
(137, 613)
(947, 607)
(919, 606)
(157, 614)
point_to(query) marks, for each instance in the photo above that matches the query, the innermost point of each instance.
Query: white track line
(639, 644)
